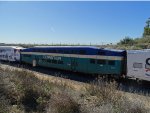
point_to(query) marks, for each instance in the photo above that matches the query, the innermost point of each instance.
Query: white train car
(10, 53)
(138, 64)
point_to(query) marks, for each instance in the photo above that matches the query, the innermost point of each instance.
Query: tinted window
(82, 52)
(60, 51)
(46, 50)
(137, 65)
(92, 61)
(27, 55)
(49, 61)
(35, 50)
(101, 61)
(60, 62)
(54, 61)
(43, 51)
(66, 52)
(53, 51)
(101, 53)
(74, 52)
(111, 62)
(147, 66)
(56, 50)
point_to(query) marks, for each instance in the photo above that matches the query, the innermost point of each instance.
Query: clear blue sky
(71, 22)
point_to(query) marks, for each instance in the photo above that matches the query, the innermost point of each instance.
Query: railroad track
(76, 79)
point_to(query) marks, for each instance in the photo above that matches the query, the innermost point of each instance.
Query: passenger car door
(101, 66)
(73, 64)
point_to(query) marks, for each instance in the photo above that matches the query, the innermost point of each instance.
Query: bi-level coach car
(10, 53)
(138, 64)
(92, 60)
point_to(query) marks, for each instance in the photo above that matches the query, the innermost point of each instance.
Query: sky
(48, 22)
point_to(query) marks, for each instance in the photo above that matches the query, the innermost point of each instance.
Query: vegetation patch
(22, 92)
(63, 103)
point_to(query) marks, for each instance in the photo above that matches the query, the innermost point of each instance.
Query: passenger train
(84, 59)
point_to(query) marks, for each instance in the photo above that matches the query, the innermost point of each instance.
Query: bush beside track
(22, 91)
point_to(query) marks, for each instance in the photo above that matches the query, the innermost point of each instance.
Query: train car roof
(14, 47)
(65, 47)
(86, 50)
(139, 51)
(78, 47)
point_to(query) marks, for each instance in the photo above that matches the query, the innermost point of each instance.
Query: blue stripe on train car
(77, 50)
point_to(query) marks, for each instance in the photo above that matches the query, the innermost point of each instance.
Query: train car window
(60, 51)
(147, 66)
(43, 60)
(39, 50)
(101, 53)
(92, 61)
(101, 62)
(49, 61)
(49, 51)
(137, 65)
(45, 51)
(27, 55)
(54, 61)
(15, 50)
(83, 52)
(111, 62)
(54, 50)
(42, 51)
(74, 52)
(60, 62)
(66, 52)
(34, 50)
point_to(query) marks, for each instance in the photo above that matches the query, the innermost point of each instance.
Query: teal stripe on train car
(75, 64)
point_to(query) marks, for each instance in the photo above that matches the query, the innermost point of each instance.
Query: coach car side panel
(94, 61)
(10, 53)
(138, 64)
(86, 65)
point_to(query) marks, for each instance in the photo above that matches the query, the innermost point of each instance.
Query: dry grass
(103, 97)
(104, 91)
(22, 91)
(63, 103)
(26, 93)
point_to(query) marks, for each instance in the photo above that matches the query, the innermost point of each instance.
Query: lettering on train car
(52, 57)
(147, 67)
